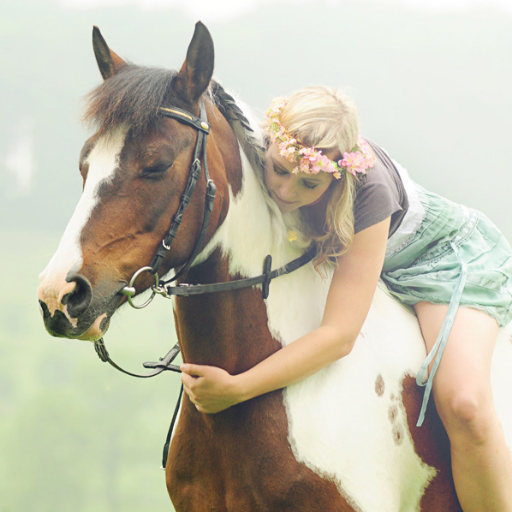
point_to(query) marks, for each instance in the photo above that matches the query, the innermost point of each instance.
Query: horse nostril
(78, 300)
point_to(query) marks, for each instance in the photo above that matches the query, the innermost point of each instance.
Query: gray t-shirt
(380, 194)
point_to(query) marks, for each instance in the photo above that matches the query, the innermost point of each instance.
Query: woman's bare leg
(481, 460)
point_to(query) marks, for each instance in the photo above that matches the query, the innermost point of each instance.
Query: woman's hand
(211, 389)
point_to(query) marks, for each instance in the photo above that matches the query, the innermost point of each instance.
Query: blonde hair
(327, 119)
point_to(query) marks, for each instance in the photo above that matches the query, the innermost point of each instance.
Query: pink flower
(353, 162)
(306, 152)
(358, 161)
(320, 163)
(287, 151)
(304, 165)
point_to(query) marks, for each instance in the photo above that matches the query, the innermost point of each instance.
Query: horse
(343, 439)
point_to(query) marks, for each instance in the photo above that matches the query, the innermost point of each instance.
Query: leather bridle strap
(165, 363)
(203, 129)
(185, 290)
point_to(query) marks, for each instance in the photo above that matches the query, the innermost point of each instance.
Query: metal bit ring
(130, 291)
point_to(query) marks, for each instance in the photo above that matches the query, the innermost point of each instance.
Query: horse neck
(235, 330)
(254, 227)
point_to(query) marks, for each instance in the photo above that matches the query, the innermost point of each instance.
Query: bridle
(203, 129)
(163, 288)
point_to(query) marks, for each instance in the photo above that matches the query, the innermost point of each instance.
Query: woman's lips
(288, 203)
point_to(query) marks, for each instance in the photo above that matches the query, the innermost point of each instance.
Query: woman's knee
(466, 414)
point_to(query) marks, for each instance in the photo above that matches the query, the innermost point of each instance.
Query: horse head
(135, 170)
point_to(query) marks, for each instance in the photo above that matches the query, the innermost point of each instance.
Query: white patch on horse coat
(103, 162)
(338, 425)
(334, 430)
(341, 426)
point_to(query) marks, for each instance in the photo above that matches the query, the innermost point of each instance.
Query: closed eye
(280, 171)
(156, 171)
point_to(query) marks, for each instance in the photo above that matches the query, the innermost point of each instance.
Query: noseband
(162, 287)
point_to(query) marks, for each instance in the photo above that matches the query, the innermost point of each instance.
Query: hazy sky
(219, 10)
(24, 158)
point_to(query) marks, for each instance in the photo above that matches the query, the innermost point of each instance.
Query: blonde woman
(371, 221)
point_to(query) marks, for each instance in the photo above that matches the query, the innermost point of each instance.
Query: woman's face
(291, 191)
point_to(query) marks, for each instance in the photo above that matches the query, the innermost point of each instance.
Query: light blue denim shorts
(422, 265)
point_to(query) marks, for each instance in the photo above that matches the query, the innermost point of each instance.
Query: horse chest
(242, 460)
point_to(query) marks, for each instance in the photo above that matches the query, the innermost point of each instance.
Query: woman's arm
(350, 295)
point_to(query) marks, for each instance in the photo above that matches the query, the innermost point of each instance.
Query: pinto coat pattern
(342, 440)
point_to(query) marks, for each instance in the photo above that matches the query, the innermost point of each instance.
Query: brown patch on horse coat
(398, 434)
(432, 445)
(379, 385)
(392, 413)
(239, 459)
(397, 430)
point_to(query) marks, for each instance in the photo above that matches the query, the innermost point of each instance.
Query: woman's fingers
(191, 377)
(209, 388)
(195, 370)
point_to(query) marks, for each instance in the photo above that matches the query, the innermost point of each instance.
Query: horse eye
(156, 171)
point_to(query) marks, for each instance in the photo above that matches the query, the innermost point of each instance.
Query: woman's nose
(287, 191)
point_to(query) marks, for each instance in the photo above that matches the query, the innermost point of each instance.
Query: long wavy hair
(328, 120)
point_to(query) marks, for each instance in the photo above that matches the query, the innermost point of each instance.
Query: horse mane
(238, 121)
(130, 97)
(134, 94)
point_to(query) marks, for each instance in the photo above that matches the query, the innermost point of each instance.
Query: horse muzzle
(72, 309)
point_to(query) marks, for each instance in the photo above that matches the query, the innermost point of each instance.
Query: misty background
(433, 83)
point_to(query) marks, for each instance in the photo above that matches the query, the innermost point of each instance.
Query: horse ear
(197, 70)
(108, 61)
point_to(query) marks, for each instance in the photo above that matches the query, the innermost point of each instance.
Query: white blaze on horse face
(103, 162)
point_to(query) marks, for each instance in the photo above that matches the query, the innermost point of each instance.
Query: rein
(183, 289)
(186, 290)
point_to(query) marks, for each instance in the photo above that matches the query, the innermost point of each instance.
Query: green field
(75, 435)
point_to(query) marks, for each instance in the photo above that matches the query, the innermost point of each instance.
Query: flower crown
(311, 160)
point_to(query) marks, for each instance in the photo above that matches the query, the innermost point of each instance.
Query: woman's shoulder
(384, 171)
(379, 193)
